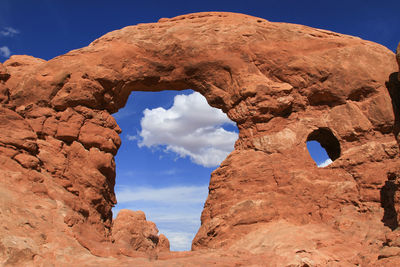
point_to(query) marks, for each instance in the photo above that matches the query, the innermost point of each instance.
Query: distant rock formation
(268, 203)
(133, 233)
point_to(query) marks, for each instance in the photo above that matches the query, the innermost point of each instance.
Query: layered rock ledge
(268, 203)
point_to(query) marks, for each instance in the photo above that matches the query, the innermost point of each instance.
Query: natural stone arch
(275, 80)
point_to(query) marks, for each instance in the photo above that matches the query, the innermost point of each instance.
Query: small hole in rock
(323, 147)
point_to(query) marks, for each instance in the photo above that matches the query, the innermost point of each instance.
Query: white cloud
(131, 137)
(172, 171)
(325, 163)
(8, 32)
(189, 128)
(5, 51)
(176, 210)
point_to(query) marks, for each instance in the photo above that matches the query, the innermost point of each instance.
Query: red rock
(93, 135)
(16, 131)
(19, 65)
(131, 232)
(89, 94)
(163, 243)
(49, 126)
(4, 92)
(69, 125)
(268, 203)
(8, 152)
(4, 75)
(27, 161)
(52, 155)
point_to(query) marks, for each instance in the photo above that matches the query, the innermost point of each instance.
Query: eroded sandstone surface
(268, 203)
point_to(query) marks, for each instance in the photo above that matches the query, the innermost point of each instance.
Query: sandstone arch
(277, 81)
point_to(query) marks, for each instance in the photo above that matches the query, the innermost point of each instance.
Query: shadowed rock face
(398, 57)
(283, 84)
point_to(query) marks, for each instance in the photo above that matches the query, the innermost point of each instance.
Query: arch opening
(323, 146)
(171, 142)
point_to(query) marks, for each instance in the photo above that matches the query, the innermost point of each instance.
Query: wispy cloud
(131, 137)
(172, 171)
(8, 32)
(190, 128)
(5, 52)
(177, 194)
(325, 163)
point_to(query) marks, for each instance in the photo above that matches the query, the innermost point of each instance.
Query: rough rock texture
(268, 204)
(133, 233)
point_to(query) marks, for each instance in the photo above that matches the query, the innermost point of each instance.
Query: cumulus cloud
(8, 32)
(325, 163)
(5, 51)
(190, 128)
(176, 210)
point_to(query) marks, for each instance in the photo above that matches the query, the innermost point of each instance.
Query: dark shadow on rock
(388, 192)
(393, 86)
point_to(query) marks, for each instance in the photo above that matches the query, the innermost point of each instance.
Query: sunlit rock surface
(268, 203)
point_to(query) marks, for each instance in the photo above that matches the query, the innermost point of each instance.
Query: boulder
(132, 232)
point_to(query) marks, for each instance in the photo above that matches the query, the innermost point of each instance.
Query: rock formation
(268, 203)
(133, 233)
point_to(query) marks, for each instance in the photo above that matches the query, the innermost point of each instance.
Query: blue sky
(164, 176)
(171, 142)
